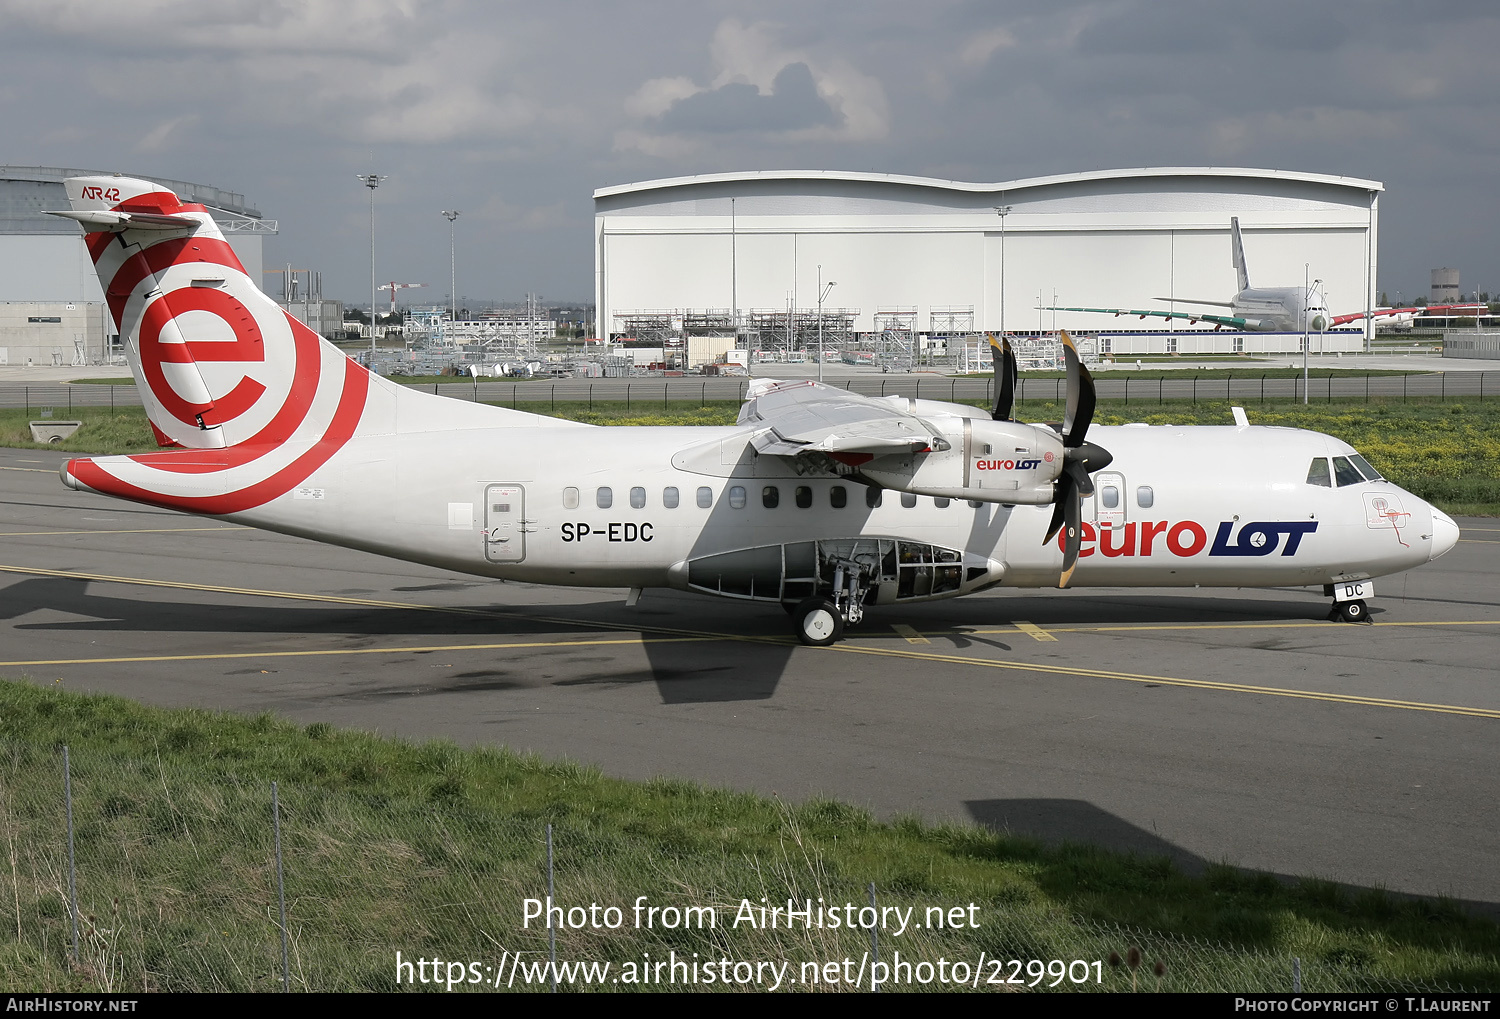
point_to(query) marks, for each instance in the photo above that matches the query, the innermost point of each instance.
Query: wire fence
(648, 393)
(131, 874)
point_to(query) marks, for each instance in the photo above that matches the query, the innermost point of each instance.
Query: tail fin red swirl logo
(219, 365)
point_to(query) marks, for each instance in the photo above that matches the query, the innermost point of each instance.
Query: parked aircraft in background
(1263, 309)
(817, 500)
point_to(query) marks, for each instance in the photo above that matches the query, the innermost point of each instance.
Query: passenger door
(505, 523)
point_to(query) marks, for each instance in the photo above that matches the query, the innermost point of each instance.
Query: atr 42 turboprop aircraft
(1267, 309)
(818, 500)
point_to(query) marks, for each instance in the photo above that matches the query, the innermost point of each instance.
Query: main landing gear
(820, 620)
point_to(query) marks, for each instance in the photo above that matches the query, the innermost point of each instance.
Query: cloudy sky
(515, 113)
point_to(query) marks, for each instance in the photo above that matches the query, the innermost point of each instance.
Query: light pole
(1002, 211)
(372, 181)
(450, 215)
(822, 294)
(1306, 290)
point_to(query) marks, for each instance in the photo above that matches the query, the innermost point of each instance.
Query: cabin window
(637, 498)
(570, 498)
(874, 496)
(604, 498)
(669, 498)
(838, 497)
(705, 498)
(1345, 473)
(770, 497)
(908, 500)
(804, 497)
(736, 497)
(1110, 497)
(1317, 473)
(1369, 472)
(1144, 497)
(940, 503)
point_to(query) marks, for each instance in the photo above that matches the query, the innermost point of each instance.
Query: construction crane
(393, 286)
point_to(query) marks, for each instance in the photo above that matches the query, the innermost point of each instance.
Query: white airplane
(1265, 309)
(818, 500)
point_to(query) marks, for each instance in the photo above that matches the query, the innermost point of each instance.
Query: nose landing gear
(1349, 600)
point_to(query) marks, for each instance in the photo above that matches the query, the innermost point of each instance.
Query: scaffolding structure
(655, 328)
(893, 344)
(1033, 353)
(792, 332)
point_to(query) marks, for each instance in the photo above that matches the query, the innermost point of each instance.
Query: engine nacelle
(993, 461)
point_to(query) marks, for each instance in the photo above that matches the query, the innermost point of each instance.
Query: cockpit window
(1364, 467)
(1345, 472)
(1317, 474)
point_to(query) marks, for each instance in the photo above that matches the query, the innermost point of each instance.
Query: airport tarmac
(1220, 726)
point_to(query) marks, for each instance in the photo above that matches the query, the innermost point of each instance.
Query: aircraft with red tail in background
(822, 501)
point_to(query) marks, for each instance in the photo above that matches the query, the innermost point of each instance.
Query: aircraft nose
(1444, 533)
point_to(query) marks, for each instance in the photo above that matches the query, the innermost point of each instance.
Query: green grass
(430, 849)
(102, 382)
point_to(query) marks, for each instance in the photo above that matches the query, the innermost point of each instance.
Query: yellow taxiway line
(686, 636)
(326, 652)
(1031, 630)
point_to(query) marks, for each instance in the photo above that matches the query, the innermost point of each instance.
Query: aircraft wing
(1414, 309)
(1193, 317)
(808, 417)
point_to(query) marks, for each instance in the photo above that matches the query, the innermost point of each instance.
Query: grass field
(1446, 452)
(431, 849)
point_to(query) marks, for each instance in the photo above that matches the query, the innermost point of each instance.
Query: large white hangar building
(937, 256)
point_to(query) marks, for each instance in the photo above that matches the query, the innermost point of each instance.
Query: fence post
(591, 396)
(1158, 391)
(112, 400)
(874, 941)
(554, 397)
(1442, 392)
(627, 396)
(1296, 975)
(286, 973)
(1404, 379)
(1127, 390)
(72, 881)
(28, 400)
(551, 931)
(1262, 388)
(1367, 386)
(1195, 390)
(703, 396)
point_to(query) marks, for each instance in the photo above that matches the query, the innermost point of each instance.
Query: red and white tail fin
(217, 362)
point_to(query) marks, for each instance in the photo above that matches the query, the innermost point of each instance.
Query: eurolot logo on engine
(1189, 538)
(1007, 465)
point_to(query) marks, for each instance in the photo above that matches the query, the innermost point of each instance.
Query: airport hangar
(937, 258)
(52, 307)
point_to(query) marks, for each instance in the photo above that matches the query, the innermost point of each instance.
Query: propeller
(1004, 359)
(1080, 459)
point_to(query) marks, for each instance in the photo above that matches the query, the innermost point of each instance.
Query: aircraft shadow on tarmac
(746, 665)
(1055, 822)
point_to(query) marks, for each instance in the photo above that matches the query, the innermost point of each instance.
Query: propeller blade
(1081, 399)
(1067, 491)
(1072, 542)
(1004, 359)
(1079, 472)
